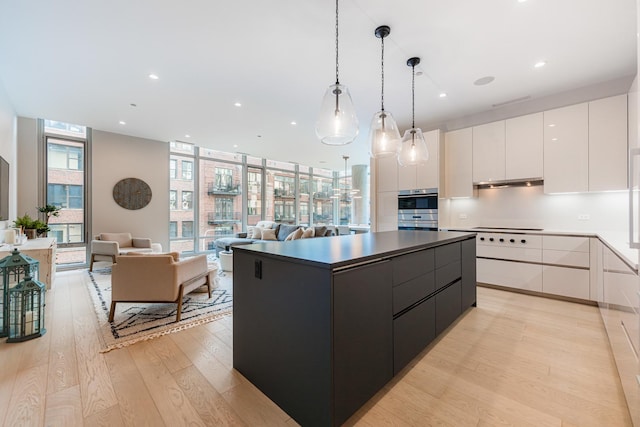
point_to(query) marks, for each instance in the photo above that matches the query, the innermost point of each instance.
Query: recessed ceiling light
(521, 1)
(133, 105)
(237, 104)
(484, 80)
(540, 64)
(293, 123)
(554, 139)
(419, 73)
(443, 95)
(122, 122)
(187, 136)
(322, 161)
(235, 145)
(552, 125)
(153, 76)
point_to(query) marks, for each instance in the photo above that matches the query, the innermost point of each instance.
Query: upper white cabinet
(523, 147)
(387, 174)
(458, 148)
(608, 144)
(566, 149)
(423, 176)
(489, 152)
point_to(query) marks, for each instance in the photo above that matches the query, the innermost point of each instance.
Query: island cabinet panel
(412, 332)
(448, 306)
(362, 335)
(468, 283)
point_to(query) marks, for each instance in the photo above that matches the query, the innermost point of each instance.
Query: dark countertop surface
(340, 251)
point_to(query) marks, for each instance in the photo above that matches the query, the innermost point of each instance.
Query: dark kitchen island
(320, 325)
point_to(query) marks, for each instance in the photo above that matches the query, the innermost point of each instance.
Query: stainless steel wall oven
(418, 209)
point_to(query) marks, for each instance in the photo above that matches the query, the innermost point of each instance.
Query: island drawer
(412, 332)
(412, 291)
(410, 266)
(447, 254)
(447, 274)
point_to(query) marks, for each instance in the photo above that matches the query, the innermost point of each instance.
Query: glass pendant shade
(384, 135)
(337, 122)
(414, 148)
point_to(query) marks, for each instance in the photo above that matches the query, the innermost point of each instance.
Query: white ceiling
(85, 62)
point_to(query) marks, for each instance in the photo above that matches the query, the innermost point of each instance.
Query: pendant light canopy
(414, 148)
(384, 137)
(337, 122)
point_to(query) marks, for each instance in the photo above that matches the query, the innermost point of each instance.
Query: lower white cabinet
(518, 275)
(568, 282)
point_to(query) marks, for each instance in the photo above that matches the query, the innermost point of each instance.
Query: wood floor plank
(26, 407)
(109, 417)
(214, 344)
(136, 406)
(64, 408)
(94, 378)
(10, 355)
(253, 406)
(63, 372)
(173, 405)
(211, 406)
(170, 354)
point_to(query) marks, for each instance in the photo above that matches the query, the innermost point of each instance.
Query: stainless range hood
(509, 183)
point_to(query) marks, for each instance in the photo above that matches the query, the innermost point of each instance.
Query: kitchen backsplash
(529, 207)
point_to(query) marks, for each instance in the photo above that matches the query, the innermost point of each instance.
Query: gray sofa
(281, 232)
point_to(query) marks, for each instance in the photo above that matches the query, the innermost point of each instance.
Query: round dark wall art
(132, 193)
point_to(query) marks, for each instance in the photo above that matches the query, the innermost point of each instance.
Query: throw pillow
(268, 234)
(257, 233)
(284, 230)
(307, 233)
(295, 235)
(319, 231)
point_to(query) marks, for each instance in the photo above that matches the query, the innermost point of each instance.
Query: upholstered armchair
(107, 246)
(157, 278)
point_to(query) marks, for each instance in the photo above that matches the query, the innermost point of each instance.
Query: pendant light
(414, 148)
(337, 122)
(384, 136)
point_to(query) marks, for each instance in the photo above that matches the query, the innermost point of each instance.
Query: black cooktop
(509, 228)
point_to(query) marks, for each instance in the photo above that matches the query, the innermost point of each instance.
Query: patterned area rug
(134, 322)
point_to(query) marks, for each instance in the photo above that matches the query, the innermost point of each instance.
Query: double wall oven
(418, 209)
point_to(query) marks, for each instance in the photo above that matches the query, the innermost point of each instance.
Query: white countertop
(617, 241)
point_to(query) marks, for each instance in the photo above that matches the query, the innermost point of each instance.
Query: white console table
(42, 250)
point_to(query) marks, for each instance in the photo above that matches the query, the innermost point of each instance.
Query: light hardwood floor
(514, 360)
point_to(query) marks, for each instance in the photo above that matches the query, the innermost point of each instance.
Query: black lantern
(26, 310)
(13, 269)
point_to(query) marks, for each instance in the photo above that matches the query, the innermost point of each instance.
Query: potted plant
(26, 225)
(49, 211)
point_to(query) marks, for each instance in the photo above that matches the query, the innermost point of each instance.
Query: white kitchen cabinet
(608, 144)
(489, 152)
(568, 282)
(458, 147)
(567, 266)
(566, 149)
(423, 176)
(387, 174)
(524, 147)
(387, 211)
(518, 275)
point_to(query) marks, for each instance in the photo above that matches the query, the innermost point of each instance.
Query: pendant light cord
(413, 96)
(337, 80)
(382, 76)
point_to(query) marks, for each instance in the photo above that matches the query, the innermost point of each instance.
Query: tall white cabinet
(608, 144)
(458, 149)
(489, 152)
(423, 176)
(524, 147)
(386, 194)
(566, 149)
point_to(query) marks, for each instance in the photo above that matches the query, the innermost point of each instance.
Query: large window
(187, 169)
(173, 200)
(173, 168)
(66, 146)
(187, 228)
(187, 200)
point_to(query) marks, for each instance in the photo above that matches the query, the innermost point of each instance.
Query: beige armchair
(157, 278)
(107, 246)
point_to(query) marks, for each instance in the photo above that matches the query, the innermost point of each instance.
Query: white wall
(8, 146)
(29, 174)
(116, 157)
(529, 207)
